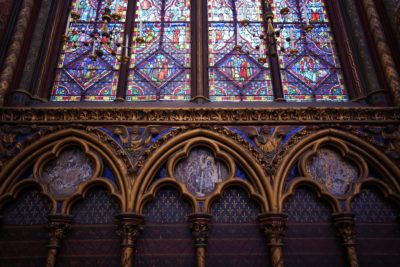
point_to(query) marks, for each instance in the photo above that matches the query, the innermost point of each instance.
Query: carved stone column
(274, 226)
(129, 227)
(14, 50)
(57, 227)
(344, 224)
(199, 226)
(385, 55)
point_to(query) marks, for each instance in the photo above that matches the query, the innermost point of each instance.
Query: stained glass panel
(161, 52)
(79, 75)
(310, 67)
(235, 73)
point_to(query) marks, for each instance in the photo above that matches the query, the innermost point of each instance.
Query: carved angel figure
(267, 139)
(137, 138)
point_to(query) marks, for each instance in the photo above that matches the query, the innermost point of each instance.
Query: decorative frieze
(191, 116)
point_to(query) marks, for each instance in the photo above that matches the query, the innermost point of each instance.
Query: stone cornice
(179, 116)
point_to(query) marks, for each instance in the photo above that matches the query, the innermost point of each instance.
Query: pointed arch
(256, 174)
(357, 146)
(47, 143)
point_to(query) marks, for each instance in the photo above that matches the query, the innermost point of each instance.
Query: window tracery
(155, 39)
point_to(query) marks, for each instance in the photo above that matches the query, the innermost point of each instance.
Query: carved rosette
(199, 226)
(57, 227)
(274, 227)
(129, 227)
(344, 225)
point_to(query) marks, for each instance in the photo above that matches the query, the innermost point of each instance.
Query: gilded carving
(199, 226)
(136, 139)
(392, 137)
(267, 138)
(344, 224)
(58, 227)
(192, 116)
(274, 227)
(129, 227)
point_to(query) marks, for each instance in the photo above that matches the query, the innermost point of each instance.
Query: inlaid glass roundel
(201, 171)
(161, 52)
(79, 75)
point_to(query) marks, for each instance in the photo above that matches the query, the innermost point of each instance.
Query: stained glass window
(79, 75)
(161, 51)
(158, 49)
(235, 73)
(310, 68)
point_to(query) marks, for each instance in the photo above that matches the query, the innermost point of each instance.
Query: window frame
(200, 81)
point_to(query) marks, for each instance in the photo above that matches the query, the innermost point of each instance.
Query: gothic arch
(168, 182)
(85, 188)
(349, 144)
(380, 186)
(25, 185)
(51, 144)
(233, 150)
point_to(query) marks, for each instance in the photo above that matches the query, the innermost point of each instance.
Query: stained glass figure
(310, 68)
(235, 73)
(161, 52)
(80, 76)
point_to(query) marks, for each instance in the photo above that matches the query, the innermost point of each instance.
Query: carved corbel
(274, 226)
(58, 226)
(199, 227)
(344, 225)
(129, 227)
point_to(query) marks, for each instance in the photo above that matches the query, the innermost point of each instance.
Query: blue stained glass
(80, 76)
(309, 63)
(236, 69)
(161, 52)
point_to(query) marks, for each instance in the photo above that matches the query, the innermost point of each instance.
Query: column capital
(344, 224)
(129, 227)
(274, 227)
(199, 226)
(58, 226)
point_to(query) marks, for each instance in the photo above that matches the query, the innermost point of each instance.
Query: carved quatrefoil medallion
(64, 174)
(336, 173)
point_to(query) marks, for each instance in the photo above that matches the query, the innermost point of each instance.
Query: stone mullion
(129, 227)
(274, 227)
(382, 47)
(344, 225)
(199, 227)
(57, 227)
(14, 50)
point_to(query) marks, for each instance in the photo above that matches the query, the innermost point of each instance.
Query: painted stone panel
(201, 171)
(333, 171)
(64, 174)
